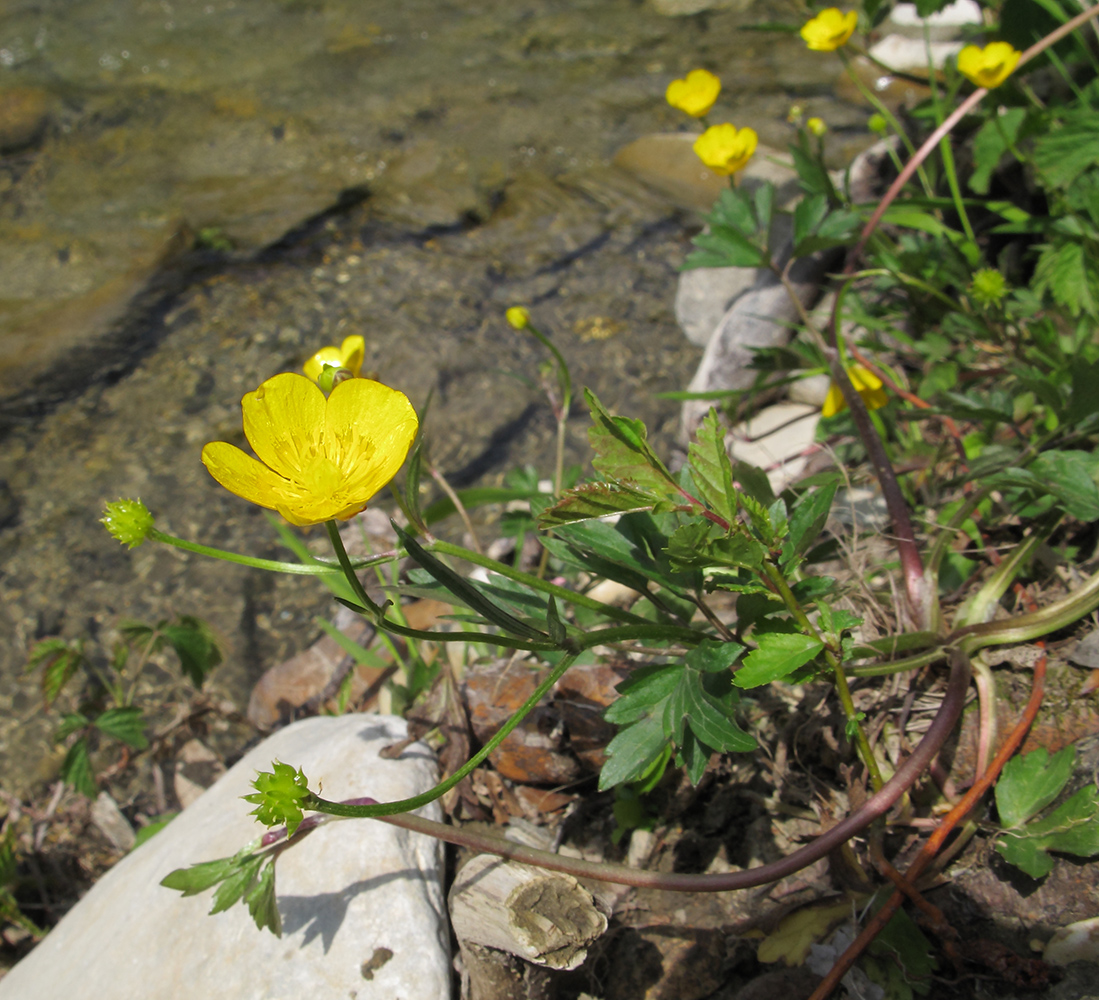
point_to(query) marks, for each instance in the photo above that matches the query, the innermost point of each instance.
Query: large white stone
(362, 903)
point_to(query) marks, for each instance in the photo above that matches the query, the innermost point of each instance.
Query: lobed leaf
(126, 724)
(779, 654)
(622, 451)
(194, 644)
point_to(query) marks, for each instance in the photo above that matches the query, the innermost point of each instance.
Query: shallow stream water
(195, 196)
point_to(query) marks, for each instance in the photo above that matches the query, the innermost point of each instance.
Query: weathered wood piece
(543, 917)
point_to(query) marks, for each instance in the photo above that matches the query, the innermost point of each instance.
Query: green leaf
(727, 248)
(645, 688)
(992, 140)
(698, 544)
(711, 469)
(555, 626)
(1066, 271)
(60, 660)
(778, 654)
(690, 705)
(807, 521)
(711, 656)
(1031, 782)
(70, 723)
(754, 482)
(1065, 152)
(465, 591)
(194, 644)
(908, 956)
(125, 724)
(279, 796)
(76, 769)
(236, 884)
(595, 500)
(1069, 475)
(152, 828)
(622, 451)
(1072, 828)
(200, 877)
(808, 214)
(634, 749)
(1085, 390)
(261, 901)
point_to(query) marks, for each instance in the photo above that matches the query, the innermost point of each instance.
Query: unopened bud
(518, 317)
(128, 521)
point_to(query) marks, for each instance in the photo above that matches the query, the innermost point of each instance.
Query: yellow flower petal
(725, 149)
(834, 402)
(695, 94)
(990, 66)
(866, 383)
(348, 355)
(368, 431)
(283, 420)
(319, 458)
(830, 29)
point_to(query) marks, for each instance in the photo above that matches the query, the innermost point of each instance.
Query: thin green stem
(775, 575)
(407, 805)
(271, 565)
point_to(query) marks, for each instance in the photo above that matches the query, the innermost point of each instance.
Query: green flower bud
(988, 287)
(128, 521)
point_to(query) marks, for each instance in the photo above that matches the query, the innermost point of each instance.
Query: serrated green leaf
(728, 248)
(1072, 828)
(734, 209)
(595, 500)
(646, 687)
(59, 661)
(236, 884)
(711, 469)
(200, 877)
(690, 705)
(778, 654)
(622, 451)
(634, 749)
(1030, 782)
(807, 521)
(1069, 475)
(1067, 272)
(808, 214)
(754, 482)
(70, 723)
(1065, 152)
(76, 769)
(261, 901)
(711, 656)
(126, 724)
(194, 644)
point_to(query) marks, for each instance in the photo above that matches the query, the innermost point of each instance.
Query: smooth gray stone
(362, 903)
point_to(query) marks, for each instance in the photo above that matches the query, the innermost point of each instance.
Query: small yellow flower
(866, 383)
(829, 29)
(816, 126)
(725, 149)
(990, 66)
(348, 355)
(696, 94)
(320, 458)
(518, 317)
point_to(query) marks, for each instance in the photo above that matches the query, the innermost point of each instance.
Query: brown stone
(24, 112)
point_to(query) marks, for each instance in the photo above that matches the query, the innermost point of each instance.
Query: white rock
(778, 440)
(111, 823)
(704, 295)
(1078, 942)
(910, 54)
(813, 390)
(362, 902)
(941, 26)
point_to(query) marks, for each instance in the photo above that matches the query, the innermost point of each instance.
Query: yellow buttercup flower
(696, 94)
(816, 126)
(320, 458)
(866, 383)
(725, 149)
(829, 29)
(348, 355)
(518, 317)
(990, 66)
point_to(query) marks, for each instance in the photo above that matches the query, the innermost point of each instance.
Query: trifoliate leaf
(235, 885)
(261, 901)
(200, 877)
